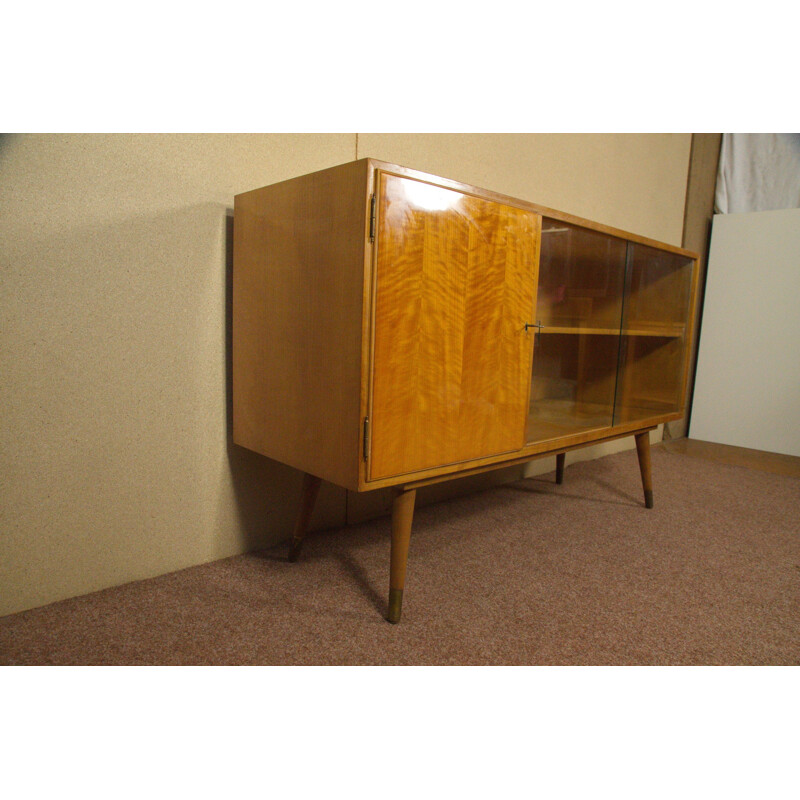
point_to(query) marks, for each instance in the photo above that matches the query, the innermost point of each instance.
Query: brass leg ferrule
(395, 605)
(648, 498)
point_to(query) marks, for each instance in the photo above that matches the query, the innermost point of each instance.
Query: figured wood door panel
(455, 284)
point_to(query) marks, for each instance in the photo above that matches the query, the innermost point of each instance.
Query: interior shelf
(673, 330)
(581, 330)
(553, 419)
(639, 329)
(643, 410)
(550, 419)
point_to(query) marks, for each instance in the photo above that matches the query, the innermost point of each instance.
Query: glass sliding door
(578, 318)
(655, 324)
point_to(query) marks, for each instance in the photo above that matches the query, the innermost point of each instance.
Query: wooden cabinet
(393, 328)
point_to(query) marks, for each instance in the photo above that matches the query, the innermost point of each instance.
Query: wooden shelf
(550, 419)
(633, 413)
(672, 330)
(580, 330)
(662, 330)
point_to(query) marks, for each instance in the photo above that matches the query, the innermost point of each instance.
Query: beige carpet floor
(529, 573)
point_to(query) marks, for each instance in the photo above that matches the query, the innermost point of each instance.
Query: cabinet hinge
(372, 218)
(366, 438)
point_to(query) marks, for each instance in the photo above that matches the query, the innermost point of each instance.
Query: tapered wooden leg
(643, 449)
(402, 515)
(307, 499)
(560, 460)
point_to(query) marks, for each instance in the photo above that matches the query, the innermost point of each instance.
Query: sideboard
(392, 328)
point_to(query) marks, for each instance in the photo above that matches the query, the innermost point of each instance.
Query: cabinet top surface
(373, 164)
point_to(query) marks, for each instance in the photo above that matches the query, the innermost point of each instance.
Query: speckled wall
(116, 455)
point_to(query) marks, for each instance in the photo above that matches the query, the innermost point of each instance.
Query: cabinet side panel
(298, 282)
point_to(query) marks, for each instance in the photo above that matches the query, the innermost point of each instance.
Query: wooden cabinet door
(455, 283)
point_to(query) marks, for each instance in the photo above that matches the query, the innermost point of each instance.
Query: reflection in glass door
(578, 317)
(658, 290)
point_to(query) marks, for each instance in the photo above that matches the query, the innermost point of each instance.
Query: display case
(611, 332)
(394, 329)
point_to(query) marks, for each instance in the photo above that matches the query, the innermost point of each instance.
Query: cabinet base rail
(403, 511)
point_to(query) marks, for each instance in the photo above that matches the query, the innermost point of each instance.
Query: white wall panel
(747, 390)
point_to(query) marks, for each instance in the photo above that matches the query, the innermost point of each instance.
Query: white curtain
(758, 172)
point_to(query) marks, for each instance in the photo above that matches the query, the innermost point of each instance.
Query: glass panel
(579, 310)
(658, 291)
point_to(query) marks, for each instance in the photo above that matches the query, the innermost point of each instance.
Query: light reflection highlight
(429, 197)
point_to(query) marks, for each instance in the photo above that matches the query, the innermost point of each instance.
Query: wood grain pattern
(455, 285)
(298, 283)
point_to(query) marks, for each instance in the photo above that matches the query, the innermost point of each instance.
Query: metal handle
(537, 325)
